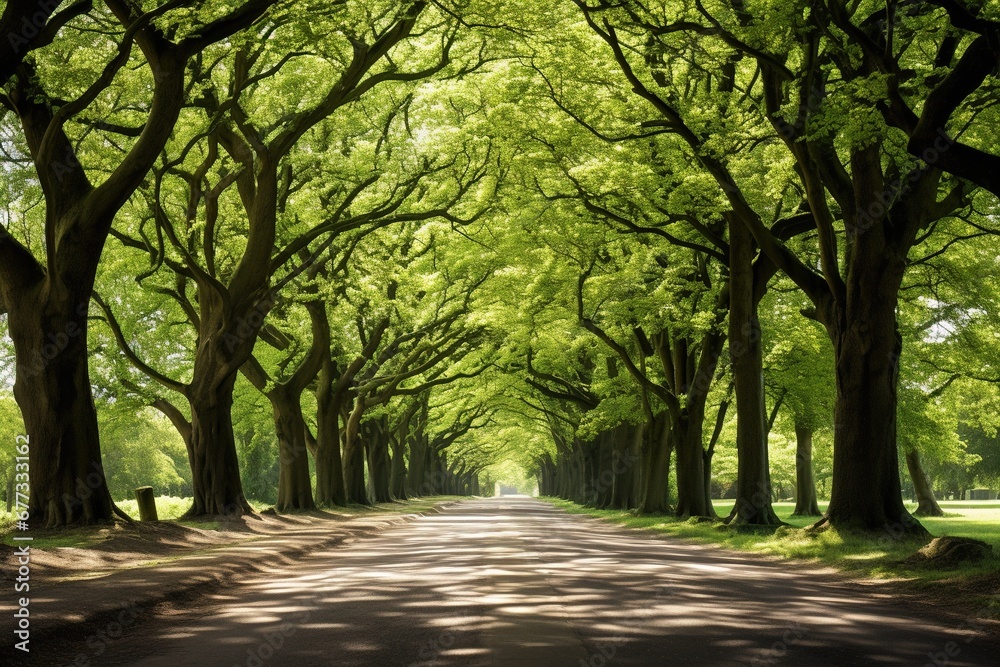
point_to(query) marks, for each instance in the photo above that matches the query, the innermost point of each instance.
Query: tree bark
(330, 490)
(603, 479)
(656, 496)
(52, 388)
(927, 504)
(354, 460)
(397, 472)
(417, 439)
(692, 494)
(416, 478)
(215, 468)
(434, 482)
(866, 493)
(753, 481)
(805, 486)
(376, 443)
(294, 482)
(693, 463)
(581, 472)
(625, 463)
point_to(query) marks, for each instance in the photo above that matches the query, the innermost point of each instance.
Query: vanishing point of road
(515, 582)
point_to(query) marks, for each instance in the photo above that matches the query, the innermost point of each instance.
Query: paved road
(513, 582)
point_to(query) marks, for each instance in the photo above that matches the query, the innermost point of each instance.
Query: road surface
(513, 582)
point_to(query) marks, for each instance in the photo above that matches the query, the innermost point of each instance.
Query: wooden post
(147, 503)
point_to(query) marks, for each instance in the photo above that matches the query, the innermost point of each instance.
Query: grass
(170, 508)
(167, 507)
(877, 557)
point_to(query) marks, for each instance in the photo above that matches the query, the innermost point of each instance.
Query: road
(514, 582)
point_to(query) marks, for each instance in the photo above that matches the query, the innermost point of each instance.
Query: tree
(855, 293)
(799, 371)
(236, 284)
(45, 291)
(284, 393)
(416, 353)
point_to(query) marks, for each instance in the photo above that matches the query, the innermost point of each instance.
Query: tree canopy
(642, 255)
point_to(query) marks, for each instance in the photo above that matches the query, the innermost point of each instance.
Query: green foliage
(494, 177)
(257, 445)
(11, 427)
(143, 449)
(511, 475)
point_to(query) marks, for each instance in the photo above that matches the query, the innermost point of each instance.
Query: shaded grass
(874, 557)
(171, 508)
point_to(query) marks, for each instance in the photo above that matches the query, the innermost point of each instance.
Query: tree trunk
(708, 456)
(294, 483)
(549, 470)
(564, 467)
(434, 474)
(627, 439)
(582, 468)
(415, 478)
(47, 306)
(692, 492)
(215, 468)
(621, 467)
(439, 481)
(376, 445)
(52, 388)
(927, 505)
(690, 370)
(397, 473)
(354, 460)
(418, 446)
(753, 481)
(656, 498)
(866, 493)
(604, 476)
(330, 490)
(805, 486)
(638, 477)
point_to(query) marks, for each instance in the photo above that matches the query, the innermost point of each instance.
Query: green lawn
(877, 557)
(967, 518)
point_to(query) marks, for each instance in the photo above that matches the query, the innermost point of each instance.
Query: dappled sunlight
(517, 582)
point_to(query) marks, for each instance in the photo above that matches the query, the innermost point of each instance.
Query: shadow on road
(514, 581)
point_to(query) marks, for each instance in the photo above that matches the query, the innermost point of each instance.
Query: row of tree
(610, 236)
